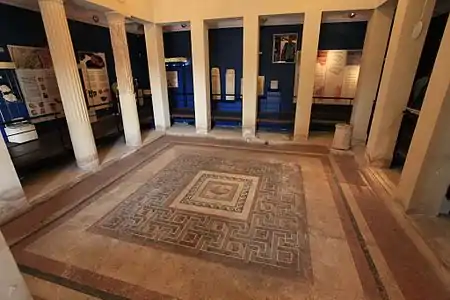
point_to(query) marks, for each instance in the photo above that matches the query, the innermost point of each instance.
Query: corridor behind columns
(196, 212)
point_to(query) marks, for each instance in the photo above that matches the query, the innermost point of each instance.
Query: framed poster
(284, 48)
(37, 80)
(336, 75)
(95, 78)
(230, 84)
(172, 79)
(215, 84)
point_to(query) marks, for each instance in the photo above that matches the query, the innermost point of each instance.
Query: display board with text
(336, 75)
(95, 79)
(37, 80)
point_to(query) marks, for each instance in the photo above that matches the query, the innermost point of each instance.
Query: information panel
(37, 80)
(336, 74)
(95, 78)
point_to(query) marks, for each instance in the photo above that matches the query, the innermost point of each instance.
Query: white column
(12, 284)
(398, 75)
(69, 84)
(250, 75)
(375, 44)
(310, 43)
(127, 98)
(200, 67)
(12, 198)
(426, 174)
(157, 70)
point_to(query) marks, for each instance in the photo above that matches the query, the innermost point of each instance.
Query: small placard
(274, 84)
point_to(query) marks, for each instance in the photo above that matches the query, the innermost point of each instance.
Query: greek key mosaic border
(273, 238)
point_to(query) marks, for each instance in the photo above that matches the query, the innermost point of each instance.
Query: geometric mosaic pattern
(243, 213)
(221, 194)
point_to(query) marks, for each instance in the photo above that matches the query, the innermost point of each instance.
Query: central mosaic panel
(221, 194)
(244, 213)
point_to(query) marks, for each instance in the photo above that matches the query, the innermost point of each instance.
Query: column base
(202, 130)
(300, 138)
(88, 164)
(381, 163)
(161, 128)
(134, 141)
(248, 132)
(12, 203)
(130, 119)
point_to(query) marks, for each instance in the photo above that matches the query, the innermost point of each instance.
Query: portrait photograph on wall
(284, 48)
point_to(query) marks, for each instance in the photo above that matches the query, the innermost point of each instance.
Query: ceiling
(83, 11)
(77, 10)
(291, 19)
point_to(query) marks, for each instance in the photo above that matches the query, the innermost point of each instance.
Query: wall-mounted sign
(215, 83)
(336, 75)
(284, 48)
(95, 78)
(37, 80)
(261, 82)
(172, 79)
(274, 85)
(230, 84)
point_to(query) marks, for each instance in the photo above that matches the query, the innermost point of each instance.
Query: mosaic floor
(195, 219)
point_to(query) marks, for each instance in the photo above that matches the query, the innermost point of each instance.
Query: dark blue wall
(23, 27)
(226, 46)
(226, 52)
(178, 44)
(138, 57)
(332, 36)
(349, 36)
(284, 73)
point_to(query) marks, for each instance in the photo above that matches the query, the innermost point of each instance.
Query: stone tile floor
(191, 218)
(48, 182)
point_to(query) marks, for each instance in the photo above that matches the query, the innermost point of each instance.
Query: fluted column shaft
(68, 78)
(124, 75)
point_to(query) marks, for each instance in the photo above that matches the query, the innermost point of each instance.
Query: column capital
(113, 17)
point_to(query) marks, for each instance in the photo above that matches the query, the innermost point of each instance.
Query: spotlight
(352, 15)
(184, 25)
